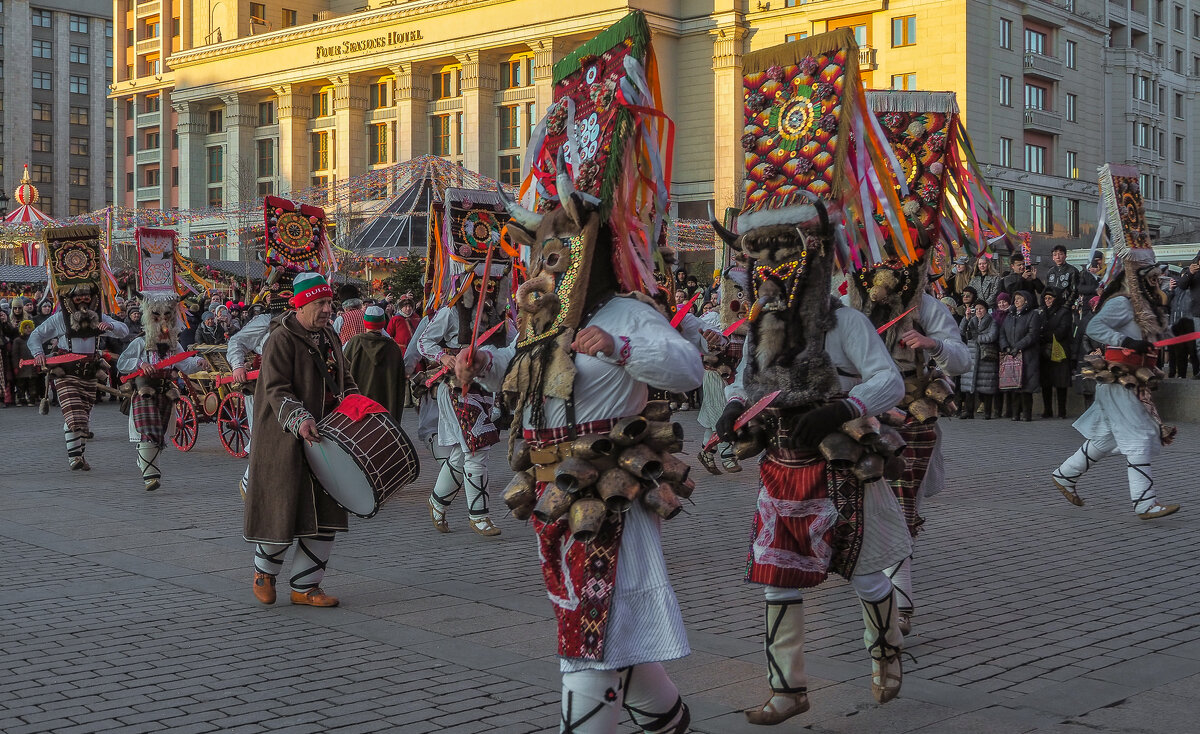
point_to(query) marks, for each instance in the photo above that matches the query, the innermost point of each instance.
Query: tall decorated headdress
(296, 241)
(79, 277)
(595, 188)
(1133, 254)
(159, 285)
(466, 225)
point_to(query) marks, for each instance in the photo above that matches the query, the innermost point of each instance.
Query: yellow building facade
(223, 101)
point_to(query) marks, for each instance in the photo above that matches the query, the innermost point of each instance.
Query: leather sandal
(264, 587)
(709, 461)
(1068, 492)
(885, 682)
(904, 620)
(768, 714)
(1157, 511)
(438, 516)
(314, 598)
(484, 526)
(151, 484)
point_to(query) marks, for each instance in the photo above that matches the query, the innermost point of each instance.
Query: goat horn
(527, 219)
(563, 181)
(729, 237)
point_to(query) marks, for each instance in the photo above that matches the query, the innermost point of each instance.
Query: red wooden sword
(745, 418)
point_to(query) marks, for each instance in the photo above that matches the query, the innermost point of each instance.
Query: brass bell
(586, 517)
(894, 418)
(665, 436)
(1105, 377)
(618, 488)
(674, 469)
(657, 410)
(863, 429)
(685, 488)
(1129, 382)
(841, 451)
(641, 461)
(1096, 361)
(662, 501)
(923, 410)
(519, 459)
(893, 468)
(553, 503)
(1143, 374)
(889, 442)
(592, 447)
(521, 495)
(748, 448)
(573, 475)
(629, 431)
(869, 468)
(939, 390)
(1118, 369)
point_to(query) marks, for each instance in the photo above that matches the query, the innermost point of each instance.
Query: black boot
(1062, 402)
(1047, 402)
(968, 409)
(1027, 398)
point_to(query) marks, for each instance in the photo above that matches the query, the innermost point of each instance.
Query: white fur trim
(802, 214)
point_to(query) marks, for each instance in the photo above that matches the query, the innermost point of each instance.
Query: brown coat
(285, 500)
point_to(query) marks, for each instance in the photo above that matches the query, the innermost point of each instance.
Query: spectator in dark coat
(1062, 279)
(1011, 281)
(1019, 335)
(981, 334)
(208, 332)
(1083, 346)
(1055, 343)
(1189, 280)
(1089, 280)
(985, 279)
(1031, 282)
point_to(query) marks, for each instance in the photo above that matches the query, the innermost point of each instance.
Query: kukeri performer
(1133, 315)
(578, 375)
(302, 378)
(249, 341)
(154, 392)
(427, 406)
(822, 505)
(76, 269)
(465, 419)
(720, 365)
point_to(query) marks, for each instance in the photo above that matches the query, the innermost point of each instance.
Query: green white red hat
(374, 317)
(309, 287)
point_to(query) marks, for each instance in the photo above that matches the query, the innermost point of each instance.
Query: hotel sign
(368, 45)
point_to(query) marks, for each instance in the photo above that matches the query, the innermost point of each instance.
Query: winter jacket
(1190, 282)
(1056, 325)
(981, 336)
(1019, 334)
(987, 286)
(1063, 281)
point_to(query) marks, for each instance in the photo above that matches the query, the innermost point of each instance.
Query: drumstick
(487, 274)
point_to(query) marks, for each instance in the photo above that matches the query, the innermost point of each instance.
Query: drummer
(302, 378)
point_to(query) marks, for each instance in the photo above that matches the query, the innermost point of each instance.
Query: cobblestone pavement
(131, 611)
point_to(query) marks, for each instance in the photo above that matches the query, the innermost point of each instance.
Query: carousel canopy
(26, 195)
(22, 274)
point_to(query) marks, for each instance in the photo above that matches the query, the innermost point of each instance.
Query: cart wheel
(233, 425)
(186, 425)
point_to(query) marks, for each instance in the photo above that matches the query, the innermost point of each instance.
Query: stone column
(241, 160)
(479, 78)
(412, 107)
(193, 170)
(546, 53)
(293, 109)
(728, 161)
(349, 108)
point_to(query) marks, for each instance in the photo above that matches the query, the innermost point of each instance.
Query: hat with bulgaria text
(309, 287)
(374, 318)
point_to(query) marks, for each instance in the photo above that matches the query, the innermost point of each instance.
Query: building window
(1040, 218)
(1006, 90)
(1005, 158)
(289, 19)
(216, 121)
(1035, 97)
(1158, 51)
(1142, 90)
(1071, 107)
(41, 173)
(458, 133)
(41, 80)
(795, 36)
(379, 96)
(1144, 185)
(510, 169)
(1177, 18)
(1035, 158)
(1178, 192)
(129, 146)
(129, 181)
(377, 144)
(907, 82)
(152, 177)
(1141, 135)
(174, 175)
(41, 112)
(78, 24)
(1008, 205)
(41, 19)
(79, 146)
(216, 164)
(322, 103)
(216, 197)
(153, 140)
(266, 158)
(510, 135)
(440, 134)
(1035, 42)
(151, 103)
(174, 140)
(153, 28)
(77, 207)
(320, 151)
(266, 113)
(1073, 217)
(1178, 149)
(79, 54)
(514, 72)
(266, 188)
(444, 86)
(258, 11)
(904, 31)
(1072, 164)
(1177, 61)
(530, 116)
(79, 84)
(1159, 13)
(41, 143)
(1178, 107)
(1069, 54)
(78, 177)
(42, 50)
(1006, 33)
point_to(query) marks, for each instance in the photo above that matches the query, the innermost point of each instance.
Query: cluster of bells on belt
(1129, 376)
(605, 473)
(868, 447)
(929, 395)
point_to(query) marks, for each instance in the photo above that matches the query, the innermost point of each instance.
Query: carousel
(24, 248)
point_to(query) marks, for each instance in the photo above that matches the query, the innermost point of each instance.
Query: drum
(363, 457)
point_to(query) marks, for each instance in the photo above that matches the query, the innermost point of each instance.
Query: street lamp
(3, 203)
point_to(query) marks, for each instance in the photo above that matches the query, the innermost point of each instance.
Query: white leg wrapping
(901, 576)
(308, 565)
(475, 479)
(1088, 455)
(450, 475)
(75, 442)
(653, 701)
(1141, 483)
(148, 452)
(591, 701)
(268, 557)
(882, 636)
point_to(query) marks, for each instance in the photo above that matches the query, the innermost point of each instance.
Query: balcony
(147, 8)
(1045, 67)
(1144, 108)
(150, 155)
(866, 58)
(147, 46)
(147, 119)
(1043, 121)
(148, 193)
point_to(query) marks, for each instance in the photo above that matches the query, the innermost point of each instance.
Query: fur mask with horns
(81, 310)
(160, 321)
